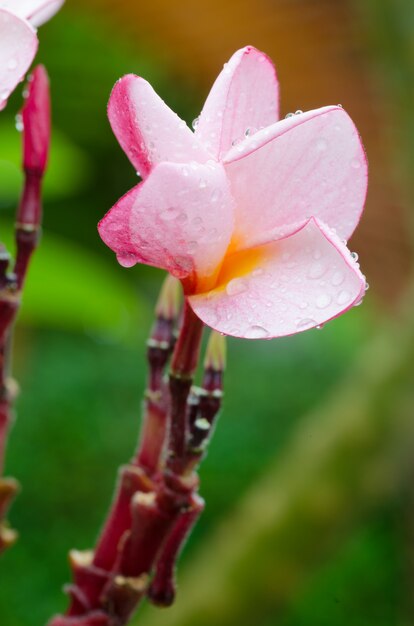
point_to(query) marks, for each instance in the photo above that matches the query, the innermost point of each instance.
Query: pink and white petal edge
(298, 283)
(148, 131)
(244, 96)
(163, 221)
(18, 46)
(311, 164)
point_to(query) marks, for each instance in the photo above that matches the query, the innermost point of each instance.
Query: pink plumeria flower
(18, 39)
(252, 214)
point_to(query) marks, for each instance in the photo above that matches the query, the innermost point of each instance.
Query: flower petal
(18, 46)
(146, 128)
(290, 285)
(244, 96)
(37, 12)
(179, 219)
(312, 164)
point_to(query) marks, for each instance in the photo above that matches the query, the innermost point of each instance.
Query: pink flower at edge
(252, 214)
(18, 39)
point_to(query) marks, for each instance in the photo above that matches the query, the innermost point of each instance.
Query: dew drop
(321, 145)
(170, 214)
(354, 255)
(289, 115)
(355, 164)
(366, 286)
(303, 305)
(323, 300)
(127, 259)
(192, 247)
(256, 332)
(343, 297)
(337, 279)
(304, 323)
(195, 122)
(316, 270)
(258, 272)
(236, 286)
(19, 122)
(181, 218)
(197, 221)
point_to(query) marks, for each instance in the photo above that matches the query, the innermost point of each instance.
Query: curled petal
(37, 12)
(245, 97)
(18, 46)
(179, 219)
(283, 287)
(146, 128)
(312, 164)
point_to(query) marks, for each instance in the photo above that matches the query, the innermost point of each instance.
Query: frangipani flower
(18, 39)
(252, 214)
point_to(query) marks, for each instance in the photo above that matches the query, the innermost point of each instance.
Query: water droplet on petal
(304, 323)
(236, 286)
(321, 145)
(323, 300)
(337, 279)
(181, 218)
(343, 297)
(126, 259)
(355, 164)
(19, 122)
(170, 214)
(298, 112)
(195, 122)
(256, 332)
(316, 270)
(289, 115)
(354, 255)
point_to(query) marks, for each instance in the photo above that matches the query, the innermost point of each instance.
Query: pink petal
(244, 96)
(148, 131)
(18, 46)
(179, 219)
(311, 164)
(283, 287)
(37, 12)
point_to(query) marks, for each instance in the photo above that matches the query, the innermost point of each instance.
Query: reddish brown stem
(163, 587)
(149, 501)
(27, 225)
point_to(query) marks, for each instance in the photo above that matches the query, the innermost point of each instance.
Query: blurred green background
(308, 482)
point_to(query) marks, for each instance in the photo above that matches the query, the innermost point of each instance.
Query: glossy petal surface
(312, 164)
(179, 219)
(146, 128)
(283, 287)
(244, 96)
(18, 45)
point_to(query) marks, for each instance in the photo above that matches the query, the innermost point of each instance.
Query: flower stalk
(156, 503)
(36, 141)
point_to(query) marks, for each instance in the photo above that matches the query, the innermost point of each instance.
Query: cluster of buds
(156, 503)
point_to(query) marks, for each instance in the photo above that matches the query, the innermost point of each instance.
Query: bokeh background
(309, 480)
